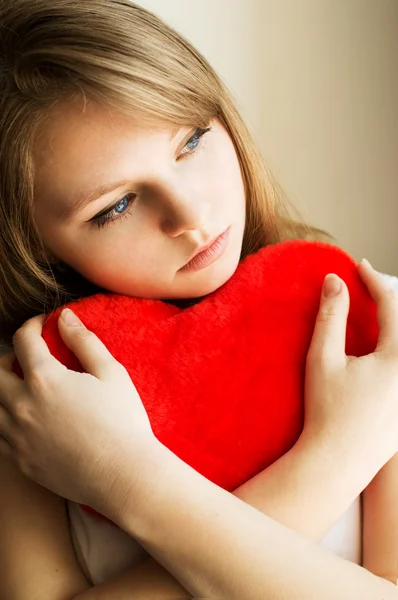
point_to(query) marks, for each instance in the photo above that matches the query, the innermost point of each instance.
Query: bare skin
(181, 187)
(355, 378)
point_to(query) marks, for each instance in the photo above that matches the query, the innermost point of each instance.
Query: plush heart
(222, 381)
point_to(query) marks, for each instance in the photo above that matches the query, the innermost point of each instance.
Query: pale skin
(380, 544)
(232, 527)
(177, 206)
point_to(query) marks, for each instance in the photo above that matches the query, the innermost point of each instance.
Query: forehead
(77, 146)
(75, 133)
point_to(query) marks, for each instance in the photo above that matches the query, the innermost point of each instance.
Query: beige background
(317, 81)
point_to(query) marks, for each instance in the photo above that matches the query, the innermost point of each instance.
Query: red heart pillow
(222, 381)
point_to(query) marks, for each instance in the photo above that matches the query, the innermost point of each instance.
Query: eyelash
(109, 217)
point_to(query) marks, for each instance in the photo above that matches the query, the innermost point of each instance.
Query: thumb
(329, 337)
(92, 354)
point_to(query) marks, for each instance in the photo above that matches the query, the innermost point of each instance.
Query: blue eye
(121, 206)
(194, 141)
(119, 210)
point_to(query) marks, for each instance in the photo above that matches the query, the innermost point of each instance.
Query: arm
(146, 581)
(28, 509)
(44, 567)
(328, 580)
(380, 522)
(52, 563)
(193, 527)
(37, 559)
(380, 525)
(306, 490)
(218, 546)
(293, 491)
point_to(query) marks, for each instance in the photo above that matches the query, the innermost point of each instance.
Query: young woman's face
(174, 190)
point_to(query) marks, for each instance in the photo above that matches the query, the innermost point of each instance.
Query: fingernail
(364, 261)
(70, 318)
(332, 286)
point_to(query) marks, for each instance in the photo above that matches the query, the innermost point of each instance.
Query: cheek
(227, 159)
(229, 179)
(83, 249)
(113, 251)
(102, 263)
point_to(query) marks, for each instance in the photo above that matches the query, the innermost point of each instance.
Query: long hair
(120, 55)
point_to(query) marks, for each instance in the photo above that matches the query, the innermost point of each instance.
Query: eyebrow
(95, 194)
(89, 197)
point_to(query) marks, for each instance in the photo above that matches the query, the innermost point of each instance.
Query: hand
(354, 401)
(70, 431)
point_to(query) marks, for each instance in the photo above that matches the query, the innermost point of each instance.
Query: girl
(119, 147)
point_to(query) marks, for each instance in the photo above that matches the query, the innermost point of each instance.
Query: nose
(183, 210)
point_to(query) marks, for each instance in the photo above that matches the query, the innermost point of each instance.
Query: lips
(204, 248)
(209, 253)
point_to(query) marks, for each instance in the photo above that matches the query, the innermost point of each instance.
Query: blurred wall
(317, 81)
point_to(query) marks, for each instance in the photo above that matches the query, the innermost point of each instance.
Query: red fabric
(222, 381)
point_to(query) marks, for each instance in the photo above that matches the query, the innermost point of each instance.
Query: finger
(387, 306)
(30, 348)
(92, 354)
(329, 337)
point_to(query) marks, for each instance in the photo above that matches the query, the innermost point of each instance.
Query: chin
(208, 282)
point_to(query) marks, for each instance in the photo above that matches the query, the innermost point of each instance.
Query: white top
(102, 549)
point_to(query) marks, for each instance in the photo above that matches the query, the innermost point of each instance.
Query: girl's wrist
(317, 459)
(340, 454)
(136, 466)
(305, 490)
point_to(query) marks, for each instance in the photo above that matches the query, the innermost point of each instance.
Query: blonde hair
(116, 53)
